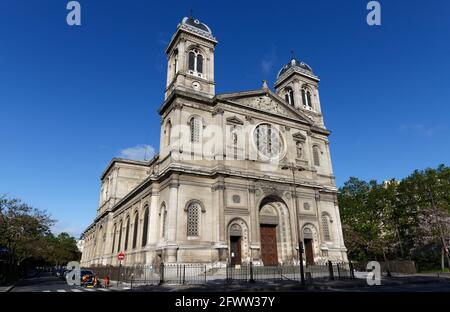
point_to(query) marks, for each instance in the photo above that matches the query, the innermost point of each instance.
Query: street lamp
(293, 168)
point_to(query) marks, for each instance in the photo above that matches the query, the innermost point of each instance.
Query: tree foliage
(397, 219)
(25, 234)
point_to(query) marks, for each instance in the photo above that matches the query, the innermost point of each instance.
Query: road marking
(76, 290)
(103, 289)
(46, 291)
(90, 289)
(61, 290)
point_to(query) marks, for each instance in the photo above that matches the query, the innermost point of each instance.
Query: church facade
(239, 177)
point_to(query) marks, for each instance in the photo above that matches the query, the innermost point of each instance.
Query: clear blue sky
(72, 98)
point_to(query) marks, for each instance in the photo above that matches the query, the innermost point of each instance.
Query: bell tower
(298, 85)
(190, 59)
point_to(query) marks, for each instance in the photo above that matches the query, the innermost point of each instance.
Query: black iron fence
(183, 274)
(249, 272)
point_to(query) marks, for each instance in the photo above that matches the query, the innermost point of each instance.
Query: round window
(268, 141)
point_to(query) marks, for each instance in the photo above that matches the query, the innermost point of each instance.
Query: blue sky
(71, 98)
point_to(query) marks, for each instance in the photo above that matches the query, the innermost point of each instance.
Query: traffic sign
(120, 256)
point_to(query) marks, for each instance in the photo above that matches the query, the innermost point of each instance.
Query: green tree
(22, 228)
(398, 220)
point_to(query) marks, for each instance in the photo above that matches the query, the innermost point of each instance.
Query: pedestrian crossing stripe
(78, 290)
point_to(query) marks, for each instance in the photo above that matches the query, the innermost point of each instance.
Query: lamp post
(300, 243)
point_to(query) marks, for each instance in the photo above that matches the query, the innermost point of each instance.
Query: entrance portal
(269, 244)
(235, 250)
(308, 240)
(309, 251)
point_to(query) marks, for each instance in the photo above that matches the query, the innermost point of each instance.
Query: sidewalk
(322, 284)
(6, 288)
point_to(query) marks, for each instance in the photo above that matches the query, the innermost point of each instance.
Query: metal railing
(184, 274)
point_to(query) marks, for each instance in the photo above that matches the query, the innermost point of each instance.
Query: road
(45, 282)
(416, 287)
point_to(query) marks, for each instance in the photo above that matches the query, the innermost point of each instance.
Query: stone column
(172, 212)
(153, 224)
(295, 223)
(297, 94)
(221, 228)
(182, 62)
(211, 71)
(255, 240)
(317, 101)
(327, 153)
(338, 223)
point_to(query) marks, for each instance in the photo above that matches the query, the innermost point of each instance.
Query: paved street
(45, 282)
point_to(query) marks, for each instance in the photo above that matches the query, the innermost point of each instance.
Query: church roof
(294, 63)
(194, 25)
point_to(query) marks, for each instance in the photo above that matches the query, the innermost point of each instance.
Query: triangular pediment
(234, 120)
(266, 101)
(299, 137)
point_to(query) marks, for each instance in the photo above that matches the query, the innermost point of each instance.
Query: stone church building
(239, 176)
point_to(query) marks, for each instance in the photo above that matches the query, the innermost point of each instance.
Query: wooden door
(309, 251)
(235, 250)
(269, 244)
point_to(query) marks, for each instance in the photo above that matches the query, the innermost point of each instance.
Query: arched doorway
(238, 242)
(310, 242)
(268, 223)
(235, 244)
(274, 229)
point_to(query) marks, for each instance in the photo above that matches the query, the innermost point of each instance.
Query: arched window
(289, 96)
(191, 61)
(163, 217)
(168, 131)
(120, 236)
(195, 63)
(316, 157)
(200, 63)
(127, 232)
(114, 239)
(306, 97)
(192, 219)
(145, 227)
(135, 230)
(195, 125)
(175, 65)
(326, 227)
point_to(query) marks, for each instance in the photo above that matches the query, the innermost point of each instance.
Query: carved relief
(265, 103)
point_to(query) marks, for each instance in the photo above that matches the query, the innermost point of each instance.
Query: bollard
(131, 284)
(251, 273)
(352, 272)
(330, 268)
